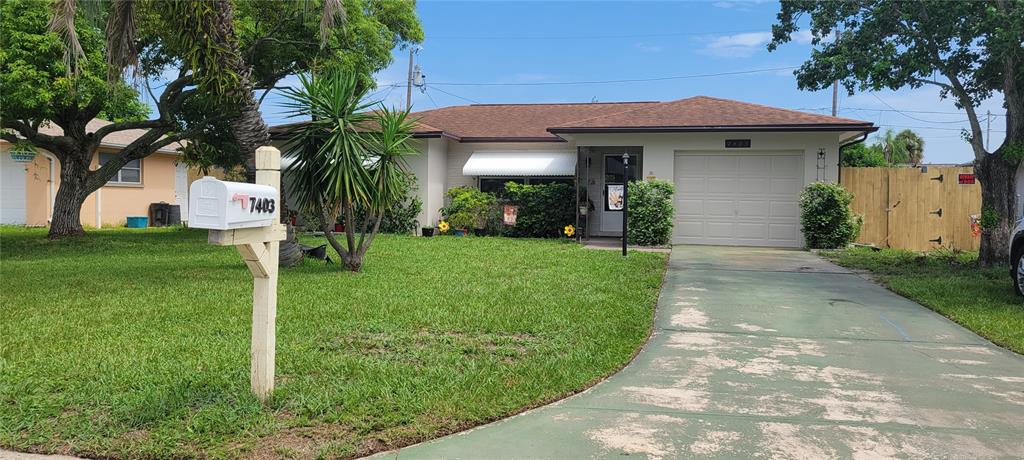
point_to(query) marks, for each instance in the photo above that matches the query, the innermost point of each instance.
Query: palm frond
(63, 23)
(333, 14)
(121, 28)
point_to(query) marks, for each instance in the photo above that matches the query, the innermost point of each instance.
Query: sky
(528, 52)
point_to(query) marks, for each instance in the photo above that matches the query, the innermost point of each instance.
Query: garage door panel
(689, 229)
(754, 165)
(721, 185)
(746, 199)
(722, 164)
(785, 186)
(688, 185)
(719, 208)
(719, 229)
(689, 208)
(751, 209)
(756, 186)
(787, 166)
(784, 209)
(691, 164)
(783, 232)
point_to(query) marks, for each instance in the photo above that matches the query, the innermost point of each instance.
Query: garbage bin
(137, 221)
(173, 214)
(158, 213)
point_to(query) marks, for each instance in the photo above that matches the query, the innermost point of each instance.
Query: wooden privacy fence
(915, 208)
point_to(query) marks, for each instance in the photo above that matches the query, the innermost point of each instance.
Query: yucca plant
(351, 154)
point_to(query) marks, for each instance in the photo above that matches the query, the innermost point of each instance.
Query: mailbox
(218, 205)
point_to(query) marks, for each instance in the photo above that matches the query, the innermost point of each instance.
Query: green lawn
(135, 344)
(980, 299)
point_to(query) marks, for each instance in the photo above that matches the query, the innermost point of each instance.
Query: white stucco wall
(660, 148)
(439, 166)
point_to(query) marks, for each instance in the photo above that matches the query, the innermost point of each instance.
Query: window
(613, 169)
(130, 173)
(496, 185)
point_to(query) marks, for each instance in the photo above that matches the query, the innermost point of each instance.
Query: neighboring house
(738, 167)
(29, 182)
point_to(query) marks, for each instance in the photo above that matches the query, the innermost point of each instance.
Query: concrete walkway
(778, 354)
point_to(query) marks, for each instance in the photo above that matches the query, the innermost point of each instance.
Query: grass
(980, 299)
(134, 344)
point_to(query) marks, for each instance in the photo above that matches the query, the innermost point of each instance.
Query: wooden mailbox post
(247, 216)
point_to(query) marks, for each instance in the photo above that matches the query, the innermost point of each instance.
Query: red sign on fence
(965, 179)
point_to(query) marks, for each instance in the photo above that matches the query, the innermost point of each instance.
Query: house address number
(737, 143)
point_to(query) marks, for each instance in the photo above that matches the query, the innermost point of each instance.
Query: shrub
(469, 208)
(544, 209)
(825, 216)
(861, 155)
(400, 218)
(650, 212)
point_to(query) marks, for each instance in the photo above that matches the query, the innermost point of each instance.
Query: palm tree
(346, 157)
(893, 148)
(913, 145)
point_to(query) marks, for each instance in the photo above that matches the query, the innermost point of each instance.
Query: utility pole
(408, 83)
(988, 128)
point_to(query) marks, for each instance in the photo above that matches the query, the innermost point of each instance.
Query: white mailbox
(218, 205)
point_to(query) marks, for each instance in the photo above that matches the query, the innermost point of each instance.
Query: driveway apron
(778, 354)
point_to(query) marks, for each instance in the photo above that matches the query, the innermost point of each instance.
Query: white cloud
(741, 5)
(647, 48)
(737, 45)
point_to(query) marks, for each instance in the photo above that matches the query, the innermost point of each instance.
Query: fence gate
(916, 208)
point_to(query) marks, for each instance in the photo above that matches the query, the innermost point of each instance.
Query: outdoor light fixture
(820, 173)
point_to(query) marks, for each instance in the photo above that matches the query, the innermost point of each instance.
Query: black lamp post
(625, 200)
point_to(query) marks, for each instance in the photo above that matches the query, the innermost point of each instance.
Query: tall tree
(207, 101)
(970, 51)
(913, 145)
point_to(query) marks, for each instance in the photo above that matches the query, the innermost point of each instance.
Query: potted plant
(427, 231)
(462, 221)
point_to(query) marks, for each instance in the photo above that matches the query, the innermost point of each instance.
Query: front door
(613, 174)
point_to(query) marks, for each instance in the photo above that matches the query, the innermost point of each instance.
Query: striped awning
(493, 163)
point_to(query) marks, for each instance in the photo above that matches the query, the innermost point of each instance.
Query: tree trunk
(67, 205)
(998, 199)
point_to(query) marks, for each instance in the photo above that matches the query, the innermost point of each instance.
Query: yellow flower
(443, 226)
(570, 231)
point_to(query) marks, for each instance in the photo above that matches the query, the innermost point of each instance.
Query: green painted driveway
(778, 354)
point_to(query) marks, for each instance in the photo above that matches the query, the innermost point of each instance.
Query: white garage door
(12, 190)
(733, 199)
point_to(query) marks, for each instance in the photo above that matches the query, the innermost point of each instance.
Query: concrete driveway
(778, 354)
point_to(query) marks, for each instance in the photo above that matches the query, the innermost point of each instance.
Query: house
(738, 167)
(29, 182)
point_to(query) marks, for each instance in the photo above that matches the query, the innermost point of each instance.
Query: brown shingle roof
(702, 113)
(514, 121)
(542, 122)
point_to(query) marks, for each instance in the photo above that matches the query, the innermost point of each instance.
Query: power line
(431, 98)
(584, 37)
(601, 82)
(894, 109)
(453, 95)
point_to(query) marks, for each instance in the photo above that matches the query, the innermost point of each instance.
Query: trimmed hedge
(651, 212)
(544, 209)
(826, 218)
